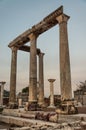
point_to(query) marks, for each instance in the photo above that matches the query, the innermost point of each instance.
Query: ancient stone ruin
(31, 35)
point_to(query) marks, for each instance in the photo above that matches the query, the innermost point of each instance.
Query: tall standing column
(12, 98)
(1, 92)
(51, 93)
(41, 80)
(33, 69)
(65, 74)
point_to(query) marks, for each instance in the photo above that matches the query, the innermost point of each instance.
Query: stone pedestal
(51, 93)
(1, 92)
(65, 74)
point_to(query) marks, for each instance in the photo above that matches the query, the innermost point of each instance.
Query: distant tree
(82, 85)
(25, 90)
(6, 93)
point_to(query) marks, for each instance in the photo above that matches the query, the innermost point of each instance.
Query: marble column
(65, 74)
(41, 80)
(33, 69)
(12, 98)
(1, 92)
(51, 93)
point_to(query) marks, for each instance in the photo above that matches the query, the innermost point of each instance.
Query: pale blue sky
(16, 16)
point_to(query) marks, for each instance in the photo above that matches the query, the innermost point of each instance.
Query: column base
(13, 105)
(41, 104)
(51, 106)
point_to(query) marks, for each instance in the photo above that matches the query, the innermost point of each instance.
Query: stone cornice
(47, 23)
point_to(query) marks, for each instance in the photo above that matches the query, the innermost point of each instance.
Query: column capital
(41, 54)
(3, 82)
(33, 36)
(13, 48)
(62, 18)
(51, 80)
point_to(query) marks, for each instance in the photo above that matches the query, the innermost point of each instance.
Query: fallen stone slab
(18, 121)
(21, 128)
(30, 116)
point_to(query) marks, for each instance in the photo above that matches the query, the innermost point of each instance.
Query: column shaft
(41, 80)
(1, 92)
(12, 98)
(0, 96)
(33, 69)
(65, 74)
(51, 94)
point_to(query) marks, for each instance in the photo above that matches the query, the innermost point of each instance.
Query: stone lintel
(27, 49)
(38, 29)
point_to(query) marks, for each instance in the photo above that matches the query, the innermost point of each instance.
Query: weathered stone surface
(1, 92)
(41, 80)
(39, 28)
(31, 35)
(54, 118)
(10, 112)
(4, 119)
(83, 125)
(51, 93)
(40, 125)
(23, 128)
(33, 69)
(65, 74)
(12, 98)
(77, 128)
(30, 116)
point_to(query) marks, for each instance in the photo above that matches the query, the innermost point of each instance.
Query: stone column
(12, 98)
(41, 80)
(20, 102)
(1, 92)
(51, 93)
(33, 69)
(65, 74)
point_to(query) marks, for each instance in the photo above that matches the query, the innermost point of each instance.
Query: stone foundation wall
(82, 110)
